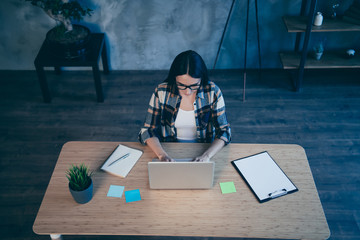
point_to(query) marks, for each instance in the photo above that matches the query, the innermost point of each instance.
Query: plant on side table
(80, 183)
(68, 40)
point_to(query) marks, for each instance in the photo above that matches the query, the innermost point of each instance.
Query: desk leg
(43, 83)
(105, 59)
(56, 237)
(98, 87)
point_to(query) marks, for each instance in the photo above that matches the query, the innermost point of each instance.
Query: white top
(185, 125)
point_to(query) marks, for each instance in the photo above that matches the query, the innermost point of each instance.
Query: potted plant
(80, 183)
(318, 51)
(67, 40)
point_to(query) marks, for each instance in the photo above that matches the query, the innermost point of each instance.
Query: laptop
(181, 174)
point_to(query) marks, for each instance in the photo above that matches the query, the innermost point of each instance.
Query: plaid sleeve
(222, 127)
(152, 119)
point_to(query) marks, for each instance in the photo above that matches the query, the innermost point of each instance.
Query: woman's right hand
(166, 158)
(156, 147)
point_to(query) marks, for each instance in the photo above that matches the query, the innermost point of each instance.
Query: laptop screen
(182, 174)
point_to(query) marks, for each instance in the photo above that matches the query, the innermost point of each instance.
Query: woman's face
(187, 85)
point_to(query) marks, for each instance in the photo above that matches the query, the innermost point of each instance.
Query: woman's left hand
(202, 158)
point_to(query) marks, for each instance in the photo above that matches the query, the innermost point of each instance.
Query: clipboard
(264, 177)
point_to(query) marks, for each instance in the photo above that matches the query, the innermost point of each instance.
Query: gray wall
(148, 34)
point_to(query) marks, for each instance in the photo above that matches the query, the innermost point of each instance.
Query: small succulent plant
(63, 11)
(79, 177)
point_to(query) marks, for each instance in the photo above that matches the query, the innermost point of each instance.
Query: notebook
(181, 175)
(121, 160)
(264, 177)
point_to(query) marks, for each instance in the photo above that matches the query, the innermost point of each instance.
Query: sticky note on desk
(115, 191)
(132, 195)
(227, 187)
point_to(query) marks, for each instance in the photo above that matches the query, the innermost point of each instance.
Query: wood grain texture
(194, 212)
(324, 119)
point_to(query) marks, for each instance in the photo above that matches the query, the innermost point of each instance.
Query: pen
(122, 157)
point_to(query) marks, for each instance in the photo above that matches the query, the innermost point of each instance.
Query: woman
(186, 107)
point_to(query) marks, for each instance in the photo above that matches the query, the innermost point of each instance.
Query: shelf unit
(298, 24)
(300, 60)
(330, 59)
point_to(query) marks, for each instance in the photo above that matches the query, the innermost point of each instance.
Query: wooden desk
(205, 213)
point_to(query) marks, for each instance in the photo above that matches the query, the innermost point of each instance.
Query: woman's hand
(166, 158)
(202, 158)
(215, 147)
(156, 147)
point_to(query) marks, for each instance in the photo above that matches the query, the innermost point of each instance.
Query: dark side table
(95, 48)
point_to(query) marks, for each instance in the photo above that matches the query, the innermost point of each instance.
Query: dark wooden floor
(324, 119)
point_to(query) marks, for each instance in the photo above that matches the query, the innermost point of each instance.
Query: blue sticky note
(115, 191)
(132, 195)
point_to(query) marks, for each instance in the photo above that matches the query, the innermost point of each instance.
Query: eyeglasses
(191, 87)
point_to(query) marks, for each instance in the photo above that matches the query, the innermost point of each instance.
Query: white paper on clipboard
(264, 177)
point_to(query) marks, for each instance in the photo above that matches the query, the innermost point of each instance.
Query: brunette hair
(188, 62)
